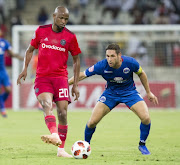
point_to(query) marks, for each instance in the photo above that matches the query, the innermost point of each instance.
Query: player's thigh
(99, 111)
(141, 110)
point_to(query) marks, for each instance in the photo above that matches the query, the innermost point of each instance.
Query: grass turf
(114, 142)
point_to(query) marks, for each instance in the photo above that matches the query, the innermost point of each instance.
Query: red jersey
(53, 50)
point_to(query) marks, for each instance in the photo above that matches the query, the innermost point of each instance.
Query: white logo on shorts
(91, 69)
(102, 99)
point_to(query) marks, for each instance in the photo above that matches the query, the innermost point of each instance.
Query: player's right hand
(75, 92)
(23, 75)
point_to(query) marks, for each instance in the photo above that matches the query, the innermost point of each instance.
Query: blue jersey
(4, 78)
(4, 46)
(119, 81)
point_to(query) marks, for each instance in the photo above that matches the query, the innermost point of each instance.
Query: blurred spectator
(161, 19)
(20, 4)
(99, 3)
(138, 17)
(161, 14)
(16, 19)
(176, 6)
(83, 3)
(74, 7)
(4, 30)
(128, 5)
(83, 20)
(42, 16)
(147, 5)
(173, 17)
(113, 6)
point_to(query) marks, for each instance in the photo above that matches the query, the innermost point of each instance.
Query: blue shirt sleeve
(135, 65)
(95, 69)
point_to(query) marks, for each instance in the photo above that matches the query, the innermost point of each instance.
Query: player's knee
(92, 124)
(146, 120)
(47, 105)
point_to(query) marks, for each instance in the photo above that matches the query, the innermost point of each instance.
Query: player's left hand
(75, 92)
(152, 98)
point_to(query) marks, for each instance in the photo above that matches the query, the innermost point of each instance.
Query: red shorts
(57, 86)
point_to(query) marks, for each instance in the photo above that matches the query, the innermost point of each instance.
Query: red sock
(62, 131)
(51, 123)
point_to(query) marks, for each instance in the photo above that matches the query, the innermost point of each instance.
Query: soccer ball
(81, 149)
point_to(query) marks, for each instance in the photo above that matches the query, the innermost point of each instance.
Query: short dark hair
(115, 47)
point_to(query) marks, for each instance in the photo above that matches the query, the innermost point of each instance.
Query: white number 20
(63, 92)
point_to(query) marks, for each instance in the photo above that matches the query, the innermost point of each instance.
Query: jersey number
(63, 92)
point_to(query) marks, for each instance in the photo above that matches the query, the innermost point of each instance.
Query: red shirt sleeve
(35, 39)
(74, 46)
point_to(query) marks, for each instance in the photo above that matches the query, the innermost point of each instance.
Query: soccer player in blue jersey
(118, 70)
(4, 78)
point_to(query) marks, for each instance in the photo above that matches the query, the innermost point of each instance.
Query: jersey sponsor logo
(118, 80)
(102, 99)
(91, 69)
(108, 71)
(63, 42)
(126, 70)
(53, 47)
(46, 39)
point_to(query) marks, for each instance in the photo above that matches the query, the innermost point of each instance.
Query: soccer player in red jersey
(51, 83)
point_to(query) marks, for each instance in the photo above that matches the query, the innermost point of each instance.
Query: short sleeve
(136, 67)
(35, 39)
(74, 46)
(94, 70)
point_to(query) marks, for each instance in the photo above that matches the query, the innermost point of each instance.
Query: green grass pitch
(115, 141)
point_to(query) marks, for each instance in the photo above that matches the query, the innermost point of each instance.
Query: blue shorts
(4, 79)
(112, 99)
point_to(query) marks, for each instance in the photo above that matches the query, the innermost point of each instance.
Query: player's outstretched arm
(74, 88)
(28, 56)
(81, 77)
(12, 54)
(145, 83)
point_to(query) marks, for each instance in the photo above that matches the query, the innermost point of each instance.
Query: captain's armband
(139, 71)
